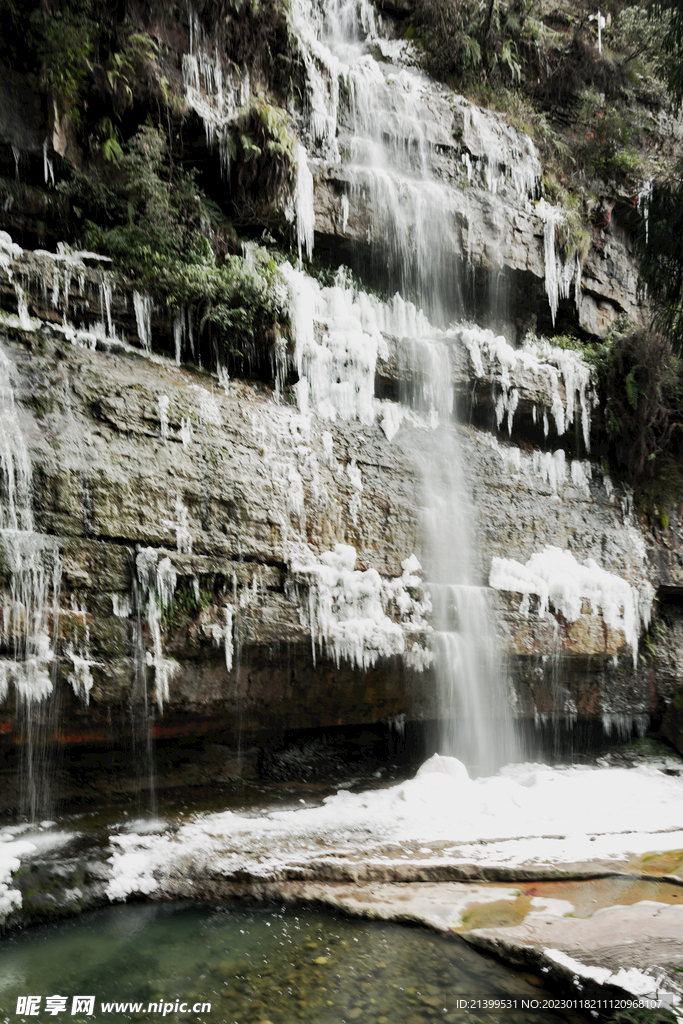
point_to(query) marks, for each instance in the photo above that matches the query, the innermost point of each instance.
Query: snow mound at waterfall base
(527, 814)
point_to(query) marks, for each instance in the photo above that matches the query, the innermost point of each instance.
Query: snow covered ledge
(601, 612)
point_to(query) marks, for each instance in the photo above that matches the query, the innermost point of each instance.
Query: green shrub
(606, 149)
(640, 382)
(163, 233)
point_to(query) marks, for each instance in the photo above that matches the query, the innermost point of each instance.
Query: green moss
(187, 606)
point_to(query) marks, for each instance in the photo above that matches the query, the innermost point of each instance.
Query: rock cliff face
(238, 558)
(141, 468)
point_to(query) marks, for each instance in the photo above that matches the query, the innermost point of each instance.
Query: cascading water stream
(413, 224)
(381, 129)
(477, 725)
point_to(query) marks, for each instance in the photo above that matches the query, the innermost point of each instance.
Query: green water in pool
(229, 965)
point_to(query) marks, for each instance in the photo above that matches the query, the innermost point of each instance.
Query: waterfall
(380, 129)
(413, 219)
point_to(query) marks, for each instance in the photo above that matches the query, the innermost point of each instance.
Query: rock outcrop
(139, 463)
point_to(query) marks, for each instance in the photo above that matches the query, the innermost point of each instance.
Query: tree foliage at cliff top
(589, 110)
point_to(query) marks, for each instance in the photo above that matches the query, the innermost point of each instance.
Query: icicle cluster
(29, 614)
(355, 615)
(538, 365)
(157, 584)
(559, 275)
(216, 94)
(557, 579)
(338, 337)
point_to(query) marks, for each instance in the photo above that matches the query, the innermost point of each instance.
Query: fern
(631, 388)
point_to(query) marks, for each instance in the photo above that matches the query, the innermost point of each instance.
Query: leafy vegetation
(640, 381)
(162, 232)
(606, 151)
(64, 40)
(263, 149)
(661, 245)
(668, 14)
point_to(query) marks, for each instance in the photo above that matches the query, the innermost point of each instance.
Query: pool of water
(227, 965)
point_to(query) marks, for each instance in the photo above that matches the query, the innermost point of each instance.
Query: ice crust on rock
(507, 819)
(338, 335)
(157, 583)
(10, 861)
(28, 620)
(536, 363)
(538, 467)
(630, 979)
(557, 579)
(503, 151)
(143, 306)
(355, 615)
(558, 274)
(303, 204)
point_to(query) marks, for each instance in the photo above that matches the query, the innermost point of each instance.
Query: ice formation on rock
(557, 579)
(143, 305)
(539, 467)
(157, 584)
(536, 363)
(559, 275)
(338, 335)
(355, 615)
(10, 861)
(28, 620)
(303, 204)
(163, 402)
(527, 814)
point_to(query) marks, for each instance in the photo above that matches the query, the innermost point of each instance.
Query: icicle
(179, 333)
(344, 212)
(183, 535)
(224, 379)
(158, 583)
(22, 309)
(303, 204)
(164, 403)
(143, 305)
(644, 200)
(186, 431)
(48, 168)
(229, 647)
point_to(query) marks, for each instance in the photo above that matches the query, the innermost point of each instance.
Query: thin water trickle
(142, 716)
(29, 617)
